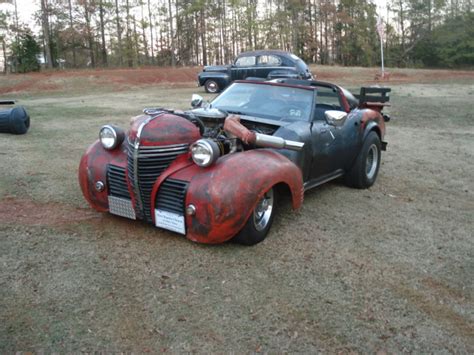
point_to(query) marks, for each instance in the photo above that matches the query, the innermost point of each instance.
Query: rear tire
(366, 167)
(211, 86)
(258, 225)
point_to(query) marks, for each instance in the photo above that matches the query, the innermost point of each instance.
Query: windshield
(267, 101)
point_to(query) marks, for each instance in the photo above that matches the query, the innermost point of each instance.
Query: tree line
(111, 33)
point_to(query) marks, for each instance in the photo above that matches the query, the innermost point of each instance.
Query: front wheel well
(284, 192)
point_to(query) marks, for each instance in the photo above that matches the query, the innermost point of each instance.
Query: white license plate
(170, 221)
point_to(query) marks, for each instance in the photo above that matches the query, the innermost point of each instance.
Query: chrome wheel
(212, 87)
(263, 211)
(372, 161)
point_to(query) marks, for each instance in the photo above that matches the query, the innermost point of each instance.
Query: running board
(316, 182)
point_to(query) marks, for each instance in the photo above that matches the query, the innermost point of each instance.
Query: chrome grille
(171, 196)
(117, 182)
(119, 197)
(145, 165)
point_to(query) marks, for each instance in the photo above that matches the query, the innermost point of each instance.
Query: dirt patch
(109, 78)
(29, 213)
(124, 79)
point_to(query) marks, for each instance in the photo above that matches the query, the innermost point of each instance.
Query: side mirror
(196, 101)
(335, 118)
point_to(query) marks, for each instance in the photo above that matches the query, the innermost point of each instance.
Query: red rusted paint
(164, 129)
(226, 193)
(371, 115)
(345, 103)
(168, 129)
(233, 126)
(93, 167)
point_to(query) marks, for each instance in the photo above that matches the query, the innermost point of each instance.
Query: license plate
(170, 221)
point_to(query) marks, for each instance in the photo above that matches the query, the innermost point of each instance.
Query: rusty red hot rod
(214, 173)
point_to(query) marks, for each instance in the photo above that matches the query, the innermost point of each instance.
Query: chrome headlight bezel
(204, 152)
(116, 135)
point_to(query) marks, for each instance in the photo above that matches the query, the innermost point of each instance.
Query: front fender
(93, 168)
(222, 79)
(226, 193)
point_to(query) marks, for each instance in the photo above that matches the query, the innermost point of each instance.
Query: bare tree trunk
(17, 28)
(196, 23)
(135, 42)
(173, 59)
(102, 33)
(203, 38)
(119, 33)
(90, 39)
(152, 44)
(225, 34)
(4, 48)
(145, 42)
(178, 44)
(249, 24)
(129, 37)
(73, 34)
(46, 34)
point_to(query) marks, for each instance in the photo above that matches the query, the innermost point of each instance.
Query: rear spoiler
(7, 102)
(373, 96)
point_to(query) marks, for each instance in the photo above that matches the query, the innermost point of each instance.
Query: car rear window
(269, 60)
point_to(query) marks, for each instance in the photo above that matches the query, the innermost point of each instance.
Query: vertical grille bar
(145, 165)
(119, 198)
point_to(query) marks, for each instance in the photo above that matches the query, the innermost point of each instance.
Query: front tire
(366, 167)
(211, 86)
(258, 225)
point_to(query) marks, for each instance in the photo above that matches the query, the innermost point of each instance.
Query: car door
(334, 141)
(243, 67)
(323, 143)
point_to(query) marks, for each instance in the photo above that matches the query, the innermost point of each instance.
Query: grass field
(385, 269)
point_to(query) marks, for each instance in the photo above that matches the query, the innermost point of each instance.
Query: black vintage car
(267, 64)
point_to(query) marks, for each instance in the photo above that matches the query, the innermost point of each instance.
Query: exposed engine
(227, 134)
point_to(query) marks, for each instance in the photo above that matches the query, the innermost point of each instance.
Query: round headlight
(111, 136)
(205, 152)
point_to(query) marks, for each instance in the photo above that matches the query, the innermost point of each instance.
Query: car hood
(217, 68)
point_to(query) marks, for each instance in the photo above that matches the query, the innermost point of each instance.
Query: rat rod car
(266, 64)
(214, 173)
(14, 120)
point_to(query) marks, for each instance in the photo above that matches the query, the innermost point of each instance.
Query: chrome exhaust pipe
(264, 140)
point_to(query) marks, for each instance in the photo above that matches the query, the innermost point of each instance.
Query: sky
(26, 8)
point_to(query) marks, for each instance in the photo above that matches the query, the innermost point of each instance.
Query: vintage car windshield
(267, 101)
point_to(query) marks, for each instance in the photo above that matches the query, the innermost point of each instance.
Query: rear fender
(93, 168)
(226, 193)
(372, 121)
